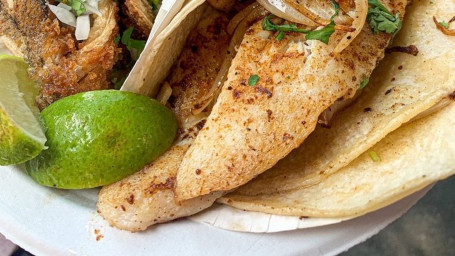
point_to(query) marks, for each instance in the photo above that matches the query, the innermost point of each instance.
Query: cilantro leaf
(268, 25)
(374, 156)
(381, 19)
(444, 24)
(379, 5)
(132, 44)
(364, 83)
(252, 81)
(155, 4)
(335, 6)
(117, 39)
(322, 34)
(76, 5)
(280, 36)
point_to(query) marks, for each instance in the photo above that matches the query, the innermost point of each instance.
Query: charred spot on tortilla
(168, 184)
(269, 115)
(452, 96)
(201, 124)
(130, 199)
(236, 94)
(265, 91)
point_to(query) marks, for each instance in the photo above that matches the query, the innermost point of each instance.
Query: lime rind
(21, 133)
(16, 147)
(99, 137)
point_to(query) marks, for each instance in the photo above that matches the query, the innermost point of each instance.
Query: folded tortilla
(147, 197)
(333, 174)
(161, 55)
(401, 88)
(252, 127)
(412, 157)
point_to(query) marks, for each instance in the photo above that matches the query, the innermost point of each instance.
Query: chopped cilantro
(444, 24)
(322, 34)
(364, 83)
(252, 81)
(374, 156)
(76, 5)
(280, 36)
(132, 43)
(155, 4)
(268, 25)
(335, 6)
(381, 19)
(134, 46)
(117, 39)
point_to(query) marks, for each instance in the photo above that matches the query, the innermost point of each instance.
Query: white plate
(47, 221)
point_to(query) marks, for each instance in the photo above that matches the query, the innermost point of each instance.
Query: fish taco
(249, 85)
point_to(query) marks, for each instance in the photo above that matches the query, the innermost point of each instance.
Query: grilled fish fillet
(147, 197)
(251, 127)
(60, 64)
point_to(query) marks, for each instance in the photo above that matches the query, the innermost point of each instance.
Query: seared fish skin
(251, 127)
(147, 197)
(62, 65)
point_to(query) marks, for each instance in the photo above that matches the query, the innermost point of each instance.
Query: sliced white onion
(305, 11)
(360, 16)
(239, 17)
(82, 27)
(63, 15)
(64, 6)
(164, 94)
(284, 11)
(93, 3)
(89, 9)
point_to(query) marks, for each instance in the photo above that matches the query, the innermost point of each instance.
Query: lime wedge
(21, 134)
(99, 137)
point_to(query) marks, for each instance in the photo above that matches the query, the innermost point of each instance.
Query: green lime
(21, 133)
(97, 138)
